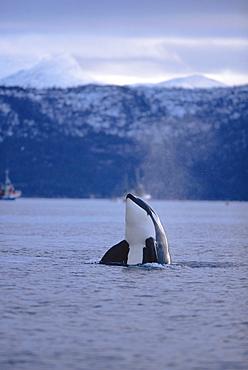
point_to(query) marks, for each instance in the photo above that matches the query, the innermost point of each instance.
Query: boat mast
(7, 184)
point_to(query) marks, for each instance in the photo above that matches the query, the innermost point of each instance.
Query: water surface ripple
(60, 309)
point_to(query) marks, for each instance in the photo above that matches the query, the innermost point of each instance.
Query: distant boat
(7, 191)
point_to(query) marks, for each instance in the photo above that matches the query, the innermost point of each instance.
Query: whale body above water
(145, 239)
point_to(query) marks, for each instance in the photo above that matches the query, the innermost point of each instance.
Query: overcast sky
(129, 41)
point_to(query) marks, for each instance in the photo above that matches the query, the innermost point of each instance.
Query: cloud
(87, 47)
(125, 39)
(127, 17)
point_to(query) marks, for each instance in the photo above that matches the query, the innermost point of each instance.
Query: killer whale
(145, 239)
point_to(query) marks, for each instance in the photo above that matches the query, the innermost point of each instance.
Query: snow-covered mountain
(54, 71)
(192, 82)
(62, 70)
(103, 140)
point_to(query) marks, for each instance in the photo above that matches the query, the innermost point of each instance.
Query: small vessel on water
(7, 190)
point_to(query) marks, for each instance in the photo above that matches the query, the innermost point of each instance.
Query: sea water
(61, 309)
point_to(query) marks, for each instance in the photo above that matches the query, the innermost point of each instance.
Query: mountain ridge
(191, 82)
(104, 140)
(62, 71)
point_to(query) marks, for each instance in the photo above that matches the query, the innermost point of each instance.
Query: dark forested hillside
(102, 141)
